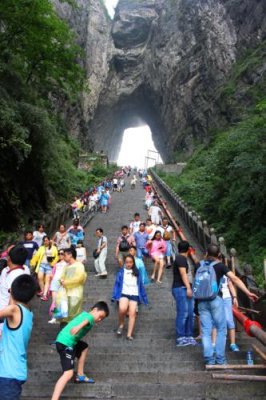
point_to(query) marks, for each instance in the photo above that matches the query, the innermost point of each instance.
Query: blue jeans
(184, 312)
(142, 252)
(212, 315)
(10, 389)
(229, 313)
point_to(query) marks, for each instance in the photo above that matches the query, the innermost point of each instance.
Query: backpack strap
(221, 280)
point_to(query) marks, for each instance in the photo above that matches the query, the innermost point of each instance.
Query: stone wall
(171, 168)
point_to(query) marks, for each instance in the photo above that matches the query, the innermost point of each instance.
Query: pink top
(158, 248)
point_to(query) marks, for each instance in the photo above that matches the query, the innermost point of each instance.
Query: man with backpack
(207, 290)
(123, 244)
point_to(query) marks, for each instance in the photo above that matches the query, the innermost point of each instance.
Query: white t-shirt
(134, 226)
(94, 197)
(6, 279)
(81, 254)
(59, 269)
(62, 240)
(155, 211)
(48, 253)
(163, 229)
(115, 181)
(38, 237)
(130, 283)
(101, 241)
(151, 229)
(225, 288)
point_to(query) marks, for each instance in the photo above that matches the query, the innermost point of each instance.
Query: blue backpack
(205, 285)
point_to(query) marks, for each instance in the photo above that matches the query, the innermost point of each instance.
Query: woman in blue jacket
(128, 291)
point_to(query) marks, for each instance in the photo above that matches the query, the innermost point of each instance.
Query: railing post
(213, 236)
(223, 246)
(205, 234)
(233, 259)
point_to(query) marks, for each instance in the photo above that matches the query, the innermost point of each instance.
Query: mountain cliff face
(161, 62)
(92, 26)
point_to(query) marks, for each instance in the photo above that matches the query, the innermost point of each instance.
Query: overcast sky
(110, 5)
(135, 146)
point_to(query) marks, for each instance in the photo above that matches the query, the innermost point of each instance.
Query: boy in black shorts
(70, 346)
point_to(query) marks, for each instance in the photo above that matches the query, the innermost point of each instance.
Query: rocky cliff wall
(92, 26)
(169, 59)
(159, 62)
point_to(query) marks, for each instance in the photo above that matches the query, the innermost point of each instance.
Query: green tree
(39, 46)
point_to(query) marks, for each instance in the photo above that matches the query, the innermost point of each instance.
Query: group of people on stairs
(57, 266)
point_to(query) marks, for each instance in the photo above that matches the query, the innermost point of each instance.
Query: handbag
(95, 252)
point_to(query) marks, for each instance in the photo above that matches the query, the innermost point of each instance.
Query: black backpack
(124, 245)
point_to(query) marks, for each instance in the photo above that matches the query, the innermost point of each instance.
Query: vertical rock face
(161, 62)
(90, 22)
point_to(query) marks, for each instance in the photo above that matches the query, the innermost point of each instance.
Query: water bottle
(250, 359)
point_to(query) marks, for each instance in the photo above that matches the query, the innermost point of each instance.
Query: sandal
(83, 379)
(119, 331)
(130, 338)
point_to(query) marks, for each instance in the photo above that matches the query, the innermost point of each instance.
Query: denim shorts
(10, 388)
(46, 269)
(130, 298)
(229, 313)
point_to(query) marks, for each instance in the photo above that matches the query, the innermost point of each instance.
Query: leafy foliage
(38, 69)
(225, 181)
(226, 184)
(38, 45)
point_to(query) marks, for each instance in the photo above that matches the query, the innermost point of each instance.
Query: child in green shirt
(70, 346)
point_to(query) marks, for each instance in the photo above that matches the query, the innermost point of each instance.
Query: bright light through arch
(110, 5)
(135, 146)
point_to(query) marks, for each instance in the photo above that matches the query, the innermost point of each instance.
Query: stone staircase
(149, 368)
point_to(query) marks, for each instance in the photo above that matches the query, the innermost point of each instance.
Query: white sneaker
(52, 321)
(97, 275)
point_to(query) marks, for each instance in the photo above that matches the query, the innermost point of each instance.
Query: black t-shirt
(180, 261)
(220, 270)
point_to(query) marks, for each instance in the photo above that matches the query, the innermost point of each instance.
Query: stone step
(151, 367)
(161, 390)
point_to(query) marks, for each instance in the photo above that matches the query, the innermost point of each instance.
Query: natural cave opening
(117, 112)
(138, 149)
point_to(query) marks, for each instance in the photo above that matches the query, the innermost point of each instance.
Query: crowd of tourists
(54, 268)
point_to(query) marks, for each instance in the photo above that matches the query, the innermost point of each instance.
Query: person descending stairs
(149, 367)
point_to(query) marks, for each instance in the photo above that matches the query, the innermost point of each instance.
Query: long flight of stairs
(149, 368)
